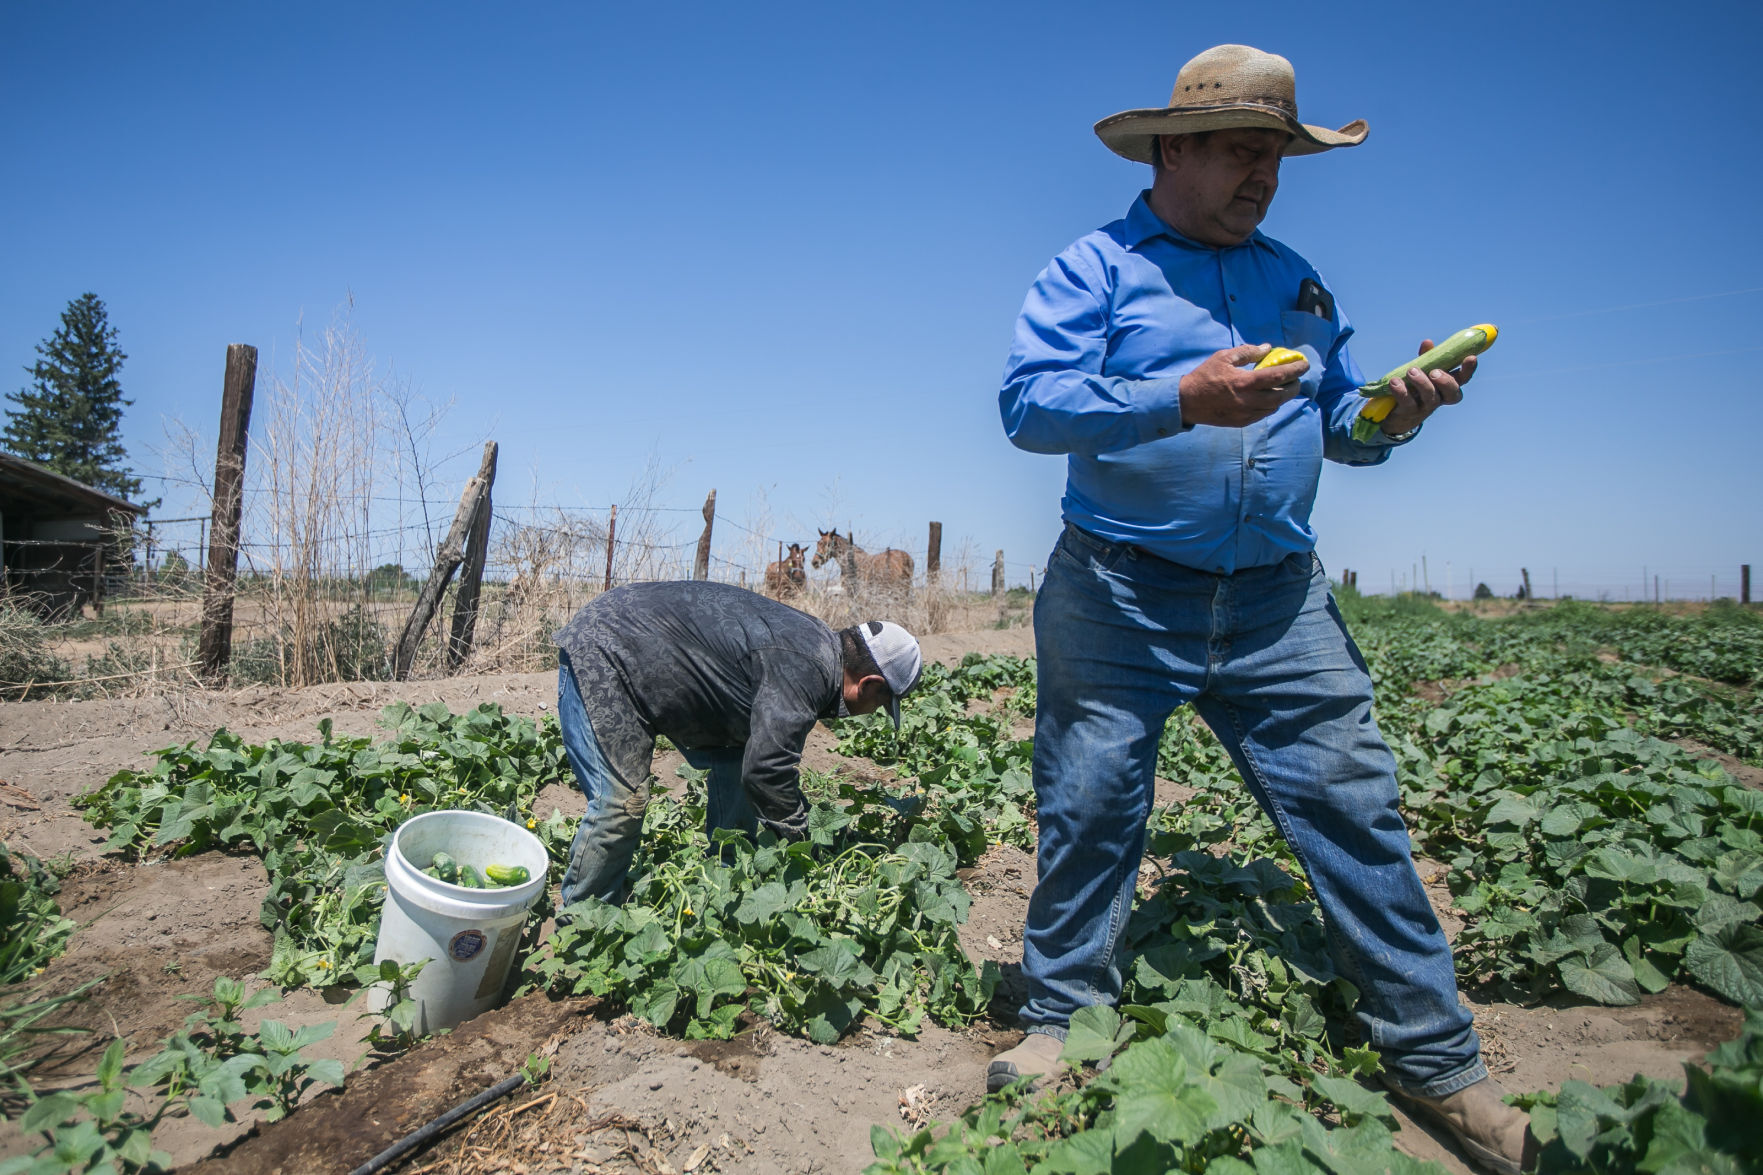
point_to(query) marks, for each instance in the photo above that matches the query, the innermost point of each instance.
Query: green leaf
(1603, 976)
(1719, 911)
(1154, 1095)
(1730, 962)
(1361, 1062)
(838, 962)
(1096, 1032)
(209, 1111)
(763, 904)
(656, 1002)
(1651, 979)
(1352, 1099)
(49, 1111)
(1088, 1153)
(1579, 1115)
(1621, 866)
(276, 1036)
(109, 1072)
(1512, 809)
(328, 1070)
(883, 1142)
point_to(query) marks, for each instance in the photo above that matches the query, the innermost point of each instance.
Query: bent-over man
(734, 680)
(1186, 576)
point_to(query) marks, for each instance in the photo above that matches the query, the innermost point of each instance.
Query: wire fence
(329, 571)
(323, 594)
(1674, 583)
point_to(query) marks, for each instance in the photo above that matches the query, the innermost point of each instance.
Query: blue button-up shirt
(1107, 332)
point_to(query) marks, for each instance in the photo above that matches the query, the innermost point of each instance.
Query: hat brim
(1129, 133)
(894, 708)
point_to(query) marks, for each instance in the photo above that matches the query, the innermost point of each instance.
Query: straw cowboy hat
(1226, 86)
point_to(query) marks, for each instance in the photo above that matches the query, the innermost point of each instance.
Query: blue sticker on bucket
(466, 944)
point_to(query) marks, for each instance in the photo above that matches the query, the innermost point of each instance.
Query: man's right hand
(1224, 392)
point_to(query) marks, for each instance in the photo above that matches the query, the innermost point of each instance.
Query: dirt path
(626, 1098)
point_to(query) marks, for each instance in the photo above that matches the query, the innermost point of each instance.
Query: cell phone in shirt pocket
(1313, 299)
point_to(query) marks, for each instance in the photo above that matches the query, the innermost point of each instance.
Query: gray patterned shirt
(708, 665)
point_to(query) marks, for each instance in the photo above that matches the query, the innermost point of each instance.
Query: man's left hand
(1420, 393)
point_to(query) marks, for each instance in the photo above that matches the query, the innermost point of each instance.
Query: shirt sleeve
(1055, 398)
(784, 711)
(1340, 402)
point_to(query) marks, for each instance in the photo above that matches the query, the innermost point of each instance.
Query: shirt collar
(1142, 224)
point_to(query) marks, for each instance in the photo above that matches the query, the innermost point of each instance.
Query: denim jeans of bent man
(606, 839)
(1123, 638)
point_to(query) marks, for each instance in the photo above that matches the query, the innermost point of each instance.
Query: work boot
(1036, 1056)
(1489, 1131)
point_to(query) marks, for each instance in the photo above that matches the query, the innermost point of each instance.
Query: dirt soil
(621, 1098)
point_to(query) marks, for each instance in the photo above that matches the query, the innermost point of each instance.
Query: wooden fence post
(215, 646)
(1745, 583)
(611, 538)
(933, 555)
(998, 574)
(98, 580)
(1528, 595)
(701, 565)
(448, 556)
(471, 572)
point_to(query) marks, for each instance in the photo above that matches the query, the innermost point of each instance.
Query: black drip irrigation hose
(424, 1133)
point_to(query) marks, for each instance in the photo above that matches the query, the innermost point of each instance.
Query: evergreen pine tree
(70, 419)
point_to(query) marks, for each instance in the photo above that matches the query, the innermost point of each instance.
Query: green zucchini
(1447, 356)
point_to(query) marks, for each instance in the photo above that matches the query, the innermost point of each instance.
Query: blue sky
(779, 247)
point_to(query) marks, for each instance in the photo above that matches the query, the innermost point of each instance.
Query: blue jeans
(1123, 639)
(617, 793)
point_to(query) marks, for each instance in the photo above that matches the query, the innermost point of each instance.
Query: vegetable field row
(1587, 852)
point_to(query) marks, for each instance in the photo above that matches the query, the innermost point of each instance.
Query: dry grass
(338, 529)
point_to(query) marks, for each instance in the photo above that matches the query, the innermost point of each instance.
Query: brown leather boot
(1036, 1056)
(1491, 1132)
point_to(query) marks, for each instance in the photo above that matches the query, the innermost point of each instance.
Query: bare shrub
(336, 515)
(25, 659)
(551, 561)
(313, 527)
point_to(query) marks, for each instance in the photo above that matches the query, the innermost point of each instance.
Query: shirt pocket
(1314, 338)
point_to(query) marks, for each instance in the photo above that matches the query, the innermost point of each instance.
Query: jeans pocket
(1090, 552)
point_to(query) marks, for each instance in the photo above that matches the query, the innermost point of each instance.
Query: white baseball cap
(896, 654)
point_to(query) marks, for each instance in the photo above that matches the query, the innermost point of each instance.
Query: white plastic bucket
(469, 936)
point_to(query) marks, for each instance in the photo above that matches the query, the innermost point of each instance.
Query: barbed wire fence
(338, 615)
(323, 598)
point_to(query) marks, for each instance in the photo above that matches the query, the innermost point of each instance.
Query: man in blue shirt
(1186, 575)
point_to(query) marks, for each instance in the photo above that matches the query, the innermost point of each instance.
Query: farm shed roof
(26, 486)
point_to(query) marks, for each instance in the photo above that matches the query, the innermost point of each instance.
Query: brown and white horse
(891, 568)
(785, 578)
